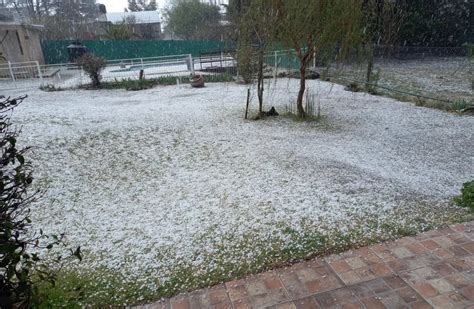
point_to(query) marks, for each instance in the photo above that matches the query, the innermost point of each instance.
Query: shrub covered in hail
(93, 66)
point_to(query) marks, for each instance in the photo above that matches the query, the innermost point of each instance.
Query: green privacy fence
(56, 51)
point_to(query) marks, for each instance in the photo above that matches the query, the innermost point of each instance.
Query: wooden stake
(248, 102)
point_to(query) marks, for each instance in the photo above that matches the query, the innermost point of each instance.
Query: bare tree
(34, 8)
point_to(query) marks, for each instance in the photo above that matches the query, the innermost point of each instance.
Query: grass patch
(135, 84)
(406, 95)
(307, 118)
(459, 105)
(251, 254)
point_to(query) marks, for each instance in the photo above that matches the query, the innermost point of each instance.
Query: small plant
(466, 199)
(93, 66)
(50, 88)
(219, 78)
(138, 84)
(420, 101)
(311, 109)
(459, 105)
(142, 84)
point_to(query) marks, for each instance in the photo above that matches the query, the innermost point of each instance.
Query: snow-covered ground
(170, 187)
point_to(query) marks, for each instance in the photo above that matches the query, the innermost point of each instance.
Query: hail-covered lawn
(170, 189)
(445, 78)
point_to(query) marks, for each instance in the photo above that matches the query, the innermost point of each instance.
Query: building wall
(216, 2)
(20, 43)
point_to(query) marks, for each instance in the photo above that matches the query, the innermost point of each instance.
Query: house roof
(144, 17)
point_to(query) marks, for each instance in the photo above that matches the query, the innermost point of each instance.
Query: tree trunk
(299, 101)
(370, 67)
(95, 80)
(260, 83)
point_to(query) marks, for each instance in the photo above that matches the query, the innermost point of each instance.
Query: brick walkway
(434, 269)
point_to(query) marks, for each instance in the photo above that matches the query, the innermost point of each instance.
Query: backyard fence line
(24, 75)
(361, 82)
(55, 51)
(436, 78)
(443, 74)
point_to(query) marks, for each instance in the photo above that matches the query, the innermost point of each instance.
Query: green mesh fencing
(56, 51)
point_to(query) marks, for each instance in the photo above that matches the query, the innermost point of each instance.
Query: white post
(191, 64)
(314, 61)
(80, 77)
(39, 72)
(11, 70)
(141, 59)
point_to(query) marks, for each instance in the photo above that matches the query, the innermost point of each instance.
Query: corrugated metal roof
(144, 17)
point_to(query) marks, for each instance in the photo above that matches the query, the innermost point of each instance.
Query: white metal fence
(30, 75)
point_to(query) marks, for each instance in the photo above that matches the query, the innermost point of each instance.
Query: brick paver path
(434, 269)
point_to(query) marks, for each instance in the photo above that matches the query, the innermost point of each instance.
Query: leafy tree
(77, 10)
(34, 8)
(21, 268)
(133, 6)
(381, 20)
(193, 20)
(142, 5)
(151, 6)
(436, 22)
(236, 9)
(318, 28)
(122, 31)
(119, 32)
(256, 36)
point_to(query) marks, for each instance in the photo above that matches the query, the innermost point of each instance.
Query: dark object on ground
(272, 112)
(76, 50)
(311, 74)
(354, 87)
(468, 110)
(197, 81)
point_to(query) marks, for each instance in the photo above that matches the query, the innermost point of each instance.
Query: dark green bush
(466, 199)
(21, 267)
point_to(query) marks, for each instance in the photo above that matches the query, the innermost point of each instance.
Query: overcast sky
(118, 5)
